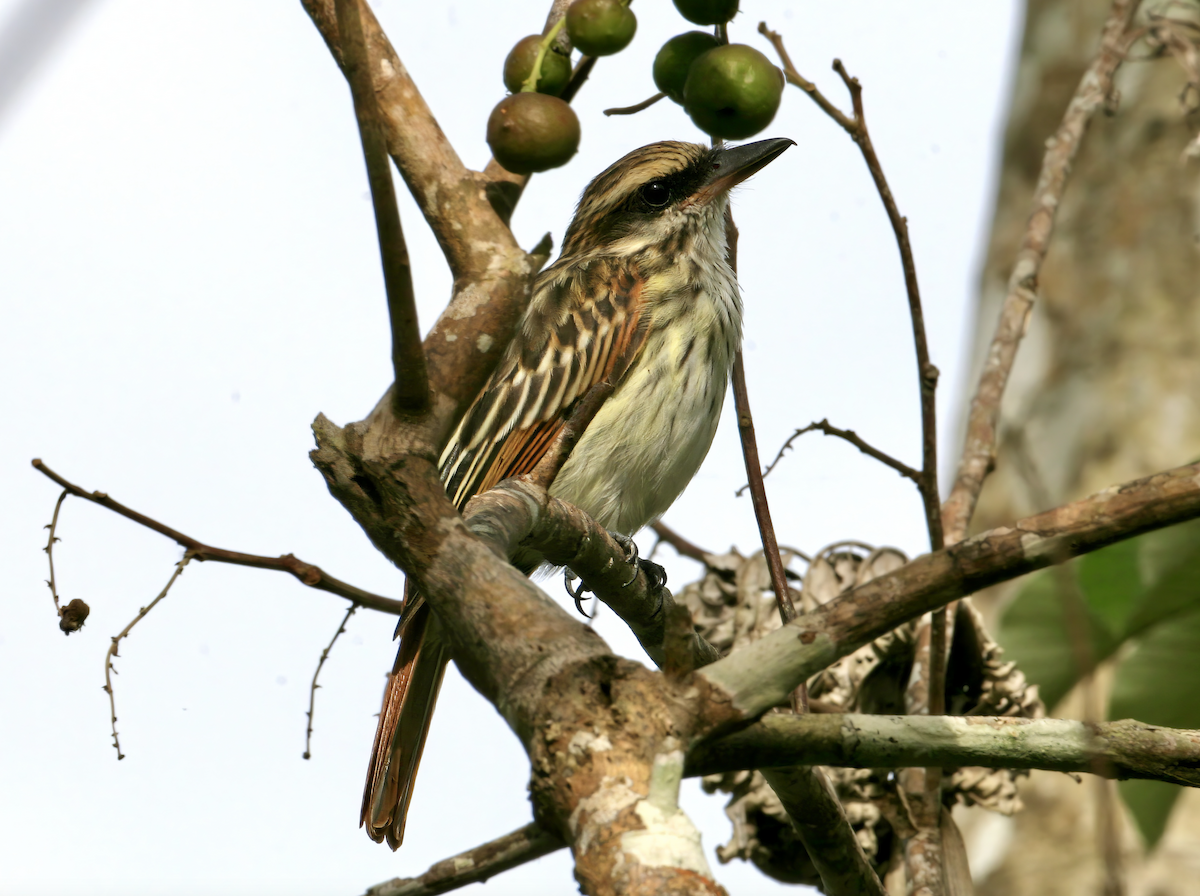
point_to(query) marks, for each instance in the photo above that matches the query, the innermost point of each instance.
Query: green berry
(600, 27)
(556, 67)
(531, 132)
(673, 61)
(732, 92)
(707, 12)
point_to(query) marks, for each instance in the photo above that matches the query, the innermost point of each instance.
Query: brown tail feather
(408, 702)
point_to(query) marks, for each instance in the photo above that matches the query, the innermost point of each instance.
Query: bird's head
(663, 191)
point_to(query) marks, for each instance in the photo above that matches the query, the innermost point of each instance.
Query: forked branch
(979, 448)
(306, 573)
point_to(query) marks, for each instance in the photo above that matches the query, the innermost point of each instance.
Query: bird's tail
(408, 702)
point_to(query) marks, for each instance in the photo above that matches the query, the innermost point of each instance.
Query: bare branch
(979, 449)
(758, 492)
(1125, 749)
(448, 194)
(819, 819)
(847, 435)
(109, 671)
(475, 865)
(760, 675)
(636, 107)
(518, 512)
(49, 549)
(411, 390)
(927, 373)
(681, 545)
(312, 691)
(306, 573)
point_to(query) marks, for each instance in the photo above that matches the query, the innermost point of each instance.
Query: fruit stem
(530, 85)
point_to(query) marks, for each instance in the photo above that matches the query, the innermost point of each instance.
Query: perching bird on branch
(642, 297)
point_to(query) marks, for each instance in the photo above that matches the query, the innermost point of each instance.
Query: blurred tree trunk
(1106, 386)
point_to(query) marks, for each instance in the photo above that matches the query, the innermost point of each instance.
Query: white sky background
(188, 274)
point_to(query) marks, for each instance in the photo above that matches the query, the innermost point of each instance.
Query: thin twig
(636, 107)
(49, 549)
(560, 449)
(306, 573)
(758, 493)
(475, 865)
(410, 393)
(927, 373)
(109, 671)
(312, 691)
(681, 545)
(848, 435)
(579, 76)
(979, 448)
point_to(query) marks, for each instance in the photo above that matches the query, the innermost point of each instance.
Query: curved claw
(631, 555)
(655, 574)
(576, 593)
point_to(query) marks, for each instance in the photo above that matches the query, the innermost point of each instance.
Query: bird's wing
(582, 327)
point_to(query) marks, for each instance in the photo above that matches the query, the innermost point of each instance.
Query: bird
(642, 297)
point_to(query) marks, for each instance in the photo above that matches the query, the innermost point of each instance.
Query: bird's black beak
(733, 164)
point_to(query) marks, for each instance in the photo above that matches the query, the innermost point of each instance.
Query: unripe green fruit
(556, 68)
(531, 132)
(673, 61)
(600, 27)
(732, 92)
(707, 12)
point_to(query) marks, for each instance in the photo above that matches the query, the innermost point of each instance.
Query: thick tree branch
(448, 194)
(306, 573)
(603, 734)
(819, 819)
(517, 512)
(475, 865)
(979, 449)
(761, 675)
(410, 393)
(501, 645)
(491, 272)
(1125, 749)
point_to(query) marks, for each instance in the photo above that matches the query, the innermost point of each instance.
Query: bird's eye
(656, 193)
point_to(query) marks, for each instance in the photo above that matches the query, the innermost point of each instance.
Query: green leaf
(1034, 632)
(1169, 567)
(1157, 684)
(1111, 582)
(1150, 803)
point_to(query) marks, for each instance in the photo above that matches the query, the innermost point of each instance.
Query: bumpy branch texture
(307, 573)
(1126, 749)
(761, 675)
(475, 865)
(491, 272)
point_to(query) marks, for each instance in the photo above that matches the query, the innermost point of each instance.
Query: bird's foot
(576, 593)
(655, 574)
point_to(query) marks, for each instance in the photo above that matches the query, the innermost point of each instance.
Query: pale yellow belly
(652, 434)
